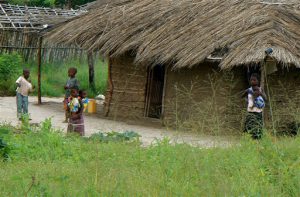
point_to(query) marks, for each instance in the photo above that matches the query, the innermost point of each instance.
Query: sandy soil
(52, 108)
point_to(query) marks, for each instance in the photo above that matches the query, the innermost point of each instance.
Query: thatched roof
(187, 32)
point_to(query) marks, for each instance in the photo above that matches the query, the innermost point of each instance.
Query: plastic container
(92, 107)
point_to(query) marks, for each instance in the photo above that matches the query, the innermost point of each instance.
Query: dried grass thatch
(187, 32)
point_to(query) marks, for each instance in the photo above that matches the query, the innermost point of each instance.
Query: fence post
(39, 58)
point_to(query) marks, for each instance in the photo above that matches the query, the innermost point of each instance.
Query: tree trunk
(91, 71)
(39, 57)
(69, 4)
(111, 88)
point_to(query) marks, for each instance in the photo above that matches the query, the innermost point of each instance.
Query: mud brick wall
(205, 98)
(129, 87)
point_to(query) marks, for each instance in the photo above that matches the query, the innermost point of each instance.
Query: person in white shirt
(256, 99)
(24, 86)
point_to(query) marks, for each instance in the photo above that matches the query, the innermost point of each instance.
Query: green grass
(43, 162)
(55, 75)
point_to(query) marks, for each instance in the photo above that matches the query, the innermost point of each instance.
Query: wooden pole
(264, 81)
(110, 86)
(262, 84)
(147, 95)
(91, 71)
(164, 93)
(39, 57)
(262, 74)
(68, 4)
(269, 99)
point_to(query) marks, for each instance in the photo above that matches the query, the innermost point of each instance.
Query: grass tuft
(44, 162)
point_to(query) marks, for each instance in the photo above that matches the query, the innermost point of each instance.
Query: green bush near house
(10, 69)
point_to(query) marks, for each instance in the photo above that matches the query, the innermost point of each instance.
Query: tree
(43, 3)
(91, 61)
(71, 3)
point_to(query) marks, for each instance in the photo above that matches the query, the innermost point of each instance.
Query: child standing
(24, 86)
(256, 104)
(72, 83)
(75, 106)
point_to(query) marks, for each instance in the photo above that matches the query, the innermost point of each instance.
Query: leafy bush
(72, 3)
(10, 68)
(45, 3)
(4, 149)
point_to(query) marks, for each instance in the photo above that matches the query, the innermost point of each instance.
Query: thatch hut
(187, 61)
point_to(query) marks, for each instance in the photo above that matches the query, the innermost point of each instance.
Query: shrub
(4, 149)
(10, 67)
(46, 3)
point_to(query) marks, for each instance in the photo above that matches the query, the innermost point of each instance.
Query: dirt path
(52, 107)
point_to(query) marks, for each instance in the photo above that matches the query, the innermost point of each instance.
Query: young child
(24, 86)
(75, 107)
(84, 99)
(72, 83)
(256, 104)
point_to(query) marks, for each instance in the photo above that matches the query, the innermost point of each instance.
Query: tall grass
(215, 105)
(55, 75)
(208, 106)
(45, 163)
(285, 115)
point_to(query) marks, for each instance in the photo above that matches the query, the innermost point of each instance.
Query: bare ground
(52, 108)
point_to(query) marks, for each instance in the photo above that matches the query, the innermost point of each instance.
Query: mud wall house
(186, 62)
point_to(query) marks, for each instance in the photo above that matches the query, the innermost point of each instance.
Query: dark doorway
(251, 70)
(154, 91)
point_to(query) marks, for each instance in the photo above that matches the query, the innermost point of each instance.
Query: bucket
(92, 106)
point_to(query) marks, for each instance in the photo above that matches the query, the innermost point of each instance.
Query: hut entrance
(154, 91)
(251, 70)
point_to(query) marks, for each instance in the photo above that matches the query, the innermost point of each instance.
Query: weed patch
(44, 162)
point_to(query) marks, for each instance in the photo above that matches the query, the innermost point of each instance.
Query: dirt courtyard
(52, 108)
